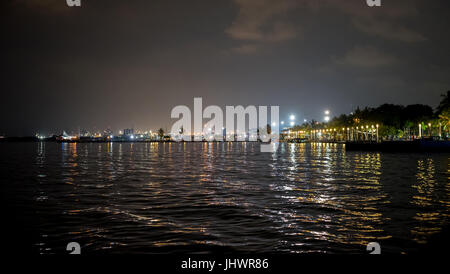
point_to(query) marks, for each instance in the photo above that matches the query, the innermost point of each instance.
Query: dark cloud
(388, 30)
(366, 57)
(263, 20)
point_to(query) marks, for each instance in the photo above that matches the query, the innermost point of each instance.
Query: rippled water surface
(223, 197)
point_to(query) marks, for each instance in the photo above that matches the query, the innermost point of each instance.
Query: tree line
(395, 121)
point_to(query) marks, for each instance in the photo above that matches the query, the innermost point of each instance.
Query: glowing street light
(327, 116)
(292, 117)
(377, 131)
(292, 123)
(282, 122)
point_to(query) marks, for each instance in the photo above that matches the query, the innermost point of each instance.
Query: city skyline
(291, 120)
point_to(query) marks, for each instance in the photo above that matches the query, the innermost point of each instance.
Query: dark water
(222, 197)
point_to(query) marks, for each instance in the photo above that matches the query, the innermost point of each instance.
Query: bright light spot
(274, 124)
(304, 120)
(327, 112)
(132, 136)
(292, 124)
(282, 122)
(327, 118)
(292, 117)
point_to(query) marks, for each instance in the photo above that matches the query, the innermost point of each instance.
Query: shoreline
(422, 145)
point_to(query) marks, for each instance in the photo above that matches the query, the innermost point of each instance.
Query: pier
(420, 145)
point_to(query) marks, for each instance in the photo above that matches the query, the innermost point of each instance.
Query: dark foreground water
(221, 197)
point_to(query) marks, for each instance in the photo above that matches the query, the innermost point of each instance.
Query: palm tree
(161, 133)
(444, 116)
(268, 129)
(445, 103)
(443, 111)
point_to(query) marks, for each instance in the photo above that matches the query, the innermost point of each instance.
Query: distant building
(66, 137)
(128, 132)
(107, 132)
(84, 133)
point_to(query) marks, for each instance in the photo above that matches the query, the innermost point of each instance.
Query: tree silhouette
(393, 120)
(445, 103)
(268, 129)
(161, 133)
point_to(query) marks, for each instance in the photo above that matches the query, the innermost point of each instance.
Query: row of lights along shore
(292, 119)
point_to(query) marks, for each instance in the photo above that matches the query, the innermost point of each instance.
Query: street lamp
(327, 116)
(292, 117)
(377, 132)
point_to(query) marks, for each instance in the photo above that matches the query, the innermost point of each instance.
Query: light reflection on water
(429, 222)
(206, 197)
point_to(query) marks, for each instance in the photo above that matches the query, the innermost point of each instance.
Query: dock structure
(419, 145)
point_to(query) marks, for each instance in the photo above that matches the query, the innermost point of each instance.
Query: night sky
(123, 64)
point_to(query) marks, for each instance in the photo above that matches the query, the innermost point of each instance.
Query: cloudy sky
(126, 64)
